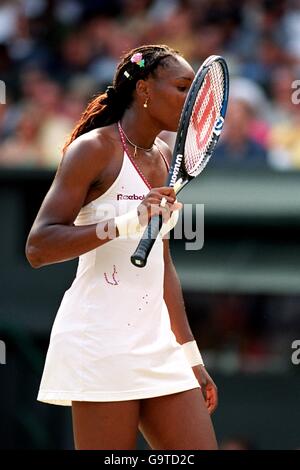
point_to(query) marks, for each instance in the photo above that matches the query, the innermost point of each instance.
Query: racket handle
(140, 256)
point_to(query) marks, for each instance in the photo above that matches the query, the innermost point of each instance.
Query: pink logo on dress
(114, 281)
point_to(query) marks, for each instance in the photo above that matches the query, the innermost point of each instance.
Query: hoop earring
(146, 103)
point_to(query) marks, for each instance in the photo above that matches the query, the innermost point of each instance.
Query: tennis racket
(199, 129)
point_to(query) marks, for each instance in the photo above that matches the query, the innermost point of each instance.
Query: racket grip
(140, 256)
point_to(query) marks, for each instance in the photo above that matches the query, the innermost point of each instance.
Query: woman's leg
(177, 421)
(105, 425)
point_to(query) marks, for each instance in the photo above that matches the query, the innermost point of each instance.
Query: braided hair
(108, 108)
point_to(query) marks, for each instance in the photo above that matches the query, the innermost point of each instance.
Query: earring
(146, 103)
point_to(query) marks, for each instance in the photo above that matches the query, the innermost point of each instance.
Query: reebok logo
(134, 197)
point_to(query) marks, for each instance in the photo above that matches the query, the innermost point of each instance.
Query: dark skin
(89, 167)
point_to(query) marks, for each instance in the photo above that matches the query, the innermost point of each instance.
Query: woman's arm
(174, 300)
(53, 237)
(181, 328)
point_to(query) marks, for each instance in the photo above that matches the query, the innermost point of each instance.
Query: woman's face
(167, 92)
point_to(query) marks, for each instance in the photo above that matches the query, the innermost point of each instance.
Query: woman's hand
(208, 387)
(151, 204)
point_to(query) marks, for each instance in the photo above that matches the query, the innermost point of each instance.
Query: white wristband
(192, 353)
(128, 224)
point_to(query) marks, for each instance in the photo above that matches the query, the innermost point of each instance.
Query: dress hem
(65, 398)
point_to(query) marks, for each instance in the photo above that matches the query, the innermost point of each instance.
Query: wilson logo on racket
(203, 120)
(177, 165)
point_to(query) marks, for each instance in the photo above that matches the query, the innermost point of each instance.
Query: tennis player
(121, 350)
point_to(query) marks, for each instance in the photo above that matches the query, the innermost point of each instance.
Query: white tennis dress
(111, 339)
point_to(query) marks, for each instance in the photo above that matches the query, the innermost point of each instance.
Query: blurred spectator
(75, 56)
(9, 115)
(23, 149)
(8, 20)
(284, 137)
(55, 125)
(291, 28)
(237, 147)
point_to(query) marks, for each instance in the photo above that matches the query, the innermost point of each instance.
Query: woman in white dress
(121, 351)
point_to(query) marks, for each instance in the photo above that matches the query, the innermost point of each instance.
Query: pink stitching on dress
(139, 171)
(115, 283)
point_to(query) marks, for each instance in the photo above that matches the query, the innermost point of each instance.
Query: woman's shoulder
(94, 149)
(100, 141)
(90, 153)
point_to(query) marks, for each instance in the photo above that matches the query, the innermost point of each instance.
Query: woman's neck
(139, 128)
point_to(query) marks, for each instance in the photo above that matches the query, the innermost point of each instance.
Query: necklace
(131, 158)
(134, 145)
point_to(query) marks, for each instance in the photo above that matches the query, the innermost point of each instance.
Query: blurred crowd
(245, 333)
(56, 54)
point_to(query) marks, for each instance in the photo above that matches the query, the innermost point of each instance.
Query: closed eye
(182, 88)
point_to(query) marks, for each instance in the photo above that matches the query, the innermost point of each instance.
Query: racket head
(201, 121)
